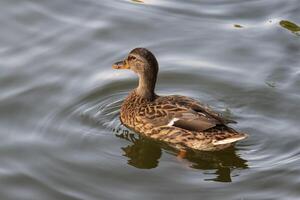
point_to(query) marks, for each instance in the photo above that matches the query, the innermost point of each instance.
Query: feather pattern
(174, 119)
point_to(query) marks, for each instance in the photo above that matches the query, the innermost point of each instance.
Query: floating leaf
(138, 1)
(294, 28)
(238, 26)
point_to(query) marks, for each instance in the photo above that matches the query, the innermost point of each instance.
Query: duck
(179, 121)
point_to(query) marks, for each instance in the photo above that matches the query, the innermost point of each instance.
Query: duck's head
(144, 64)
(139, 60)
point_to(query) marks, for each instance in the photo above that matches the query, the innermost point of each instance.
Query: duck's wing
(181, 112)
(198, 107)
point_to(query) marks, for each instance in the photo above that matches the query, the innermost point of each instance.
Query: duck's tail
(224, 135)
(229, 138)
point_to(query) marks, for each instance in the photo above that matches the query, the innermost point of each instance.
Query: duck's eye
(132, 58)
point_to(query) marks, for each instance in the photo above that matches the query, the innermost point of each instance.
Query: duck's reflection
(223, 162)
(144, 153)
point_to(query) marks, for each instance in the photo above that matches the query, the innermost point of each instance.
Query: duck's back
(178, 120)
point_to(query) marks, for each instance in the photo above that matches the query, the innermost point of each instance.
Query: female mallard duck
(180, 121)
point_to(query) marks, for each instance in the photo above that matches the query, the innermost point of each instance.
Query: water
(59, 129)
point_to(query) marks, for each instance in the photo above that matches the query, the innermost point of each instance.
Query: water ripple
(61, 137)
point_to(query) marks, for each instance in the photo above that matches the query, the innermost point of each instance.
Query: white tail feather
(229, 140)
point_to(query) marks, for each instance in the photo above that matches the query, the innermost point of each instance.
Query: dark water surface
(59, 129)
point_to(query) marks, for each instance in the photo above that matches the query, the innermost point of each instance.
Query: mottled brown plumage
(180, 121)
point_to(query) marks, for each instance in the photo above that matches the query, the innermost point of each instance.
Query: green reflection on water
(271, 84)
(294, 28)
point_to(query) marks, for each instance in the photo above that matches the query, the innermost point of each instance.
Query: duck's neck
(147, 86)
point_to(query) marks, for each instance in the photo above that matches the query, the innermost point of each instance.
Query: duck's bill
(120, 65)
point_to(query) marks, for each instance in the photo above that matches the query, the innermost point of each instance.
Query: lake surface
(60, 134)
